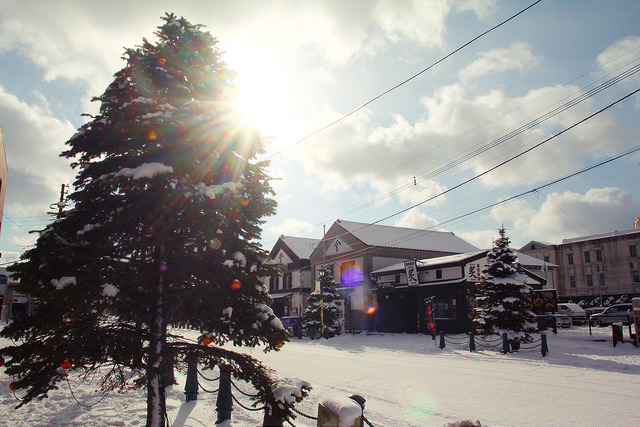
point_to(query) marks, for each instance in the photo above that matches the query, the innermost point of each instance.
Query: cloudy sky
(467, 144)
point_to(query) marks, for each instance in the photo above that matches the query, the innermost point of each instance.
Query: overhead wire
(569, 103)
(402, 83)
(476, 211)
(475, 177)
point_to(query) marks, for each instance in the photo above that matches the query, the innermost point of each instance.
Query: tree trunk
(156, 397)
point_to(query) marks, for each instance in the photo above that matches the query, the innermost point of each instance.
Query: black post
(472, 342)
(224, 402)
(505, 344)
(441, 340)
(191, 385)
(271, 421)
(544, 348)
(360, 401)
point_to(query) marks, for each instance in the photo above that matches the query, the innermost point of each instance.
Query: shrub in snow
(323, 316)
(503, 296)
(167, 209)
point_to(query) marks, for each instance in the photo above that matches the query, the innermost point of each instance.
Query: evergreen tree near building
(503, 296)
(323, 316)
(166, 211)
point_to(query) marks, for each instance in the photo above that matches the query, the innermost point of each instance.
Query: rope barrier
(246, 394)
(205, 390)
(367, 421)
(304, 415)
(245, 407)
(208, 379)
(82, 404)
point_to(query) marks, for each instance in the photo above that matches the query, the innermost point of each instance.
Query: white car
(563, 321)
(574, 311)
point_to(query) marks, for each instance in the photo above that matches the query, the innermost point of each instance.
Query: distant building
(447, 282)
(291, 288)
(603, 265)
(352, 250)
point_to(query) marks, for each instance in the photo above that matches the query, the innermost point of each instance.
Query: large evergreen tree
(168, 205)
(323, 316)
(503, 296)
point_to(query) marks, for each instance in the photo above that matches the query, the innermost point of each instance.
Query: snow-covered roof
(602, 235)
(529, 261)
(431, 262)
(524, 260)
(301, 246)
(406, 238)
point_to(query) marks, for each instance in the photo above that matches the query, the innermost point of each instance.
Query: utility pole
(64, 190)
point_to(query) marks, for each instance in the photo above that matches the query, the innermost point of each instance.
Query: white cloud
(418, 220)
(569, 214)
(33, 140)
(622, 55)
(517, 57)
(290, 227)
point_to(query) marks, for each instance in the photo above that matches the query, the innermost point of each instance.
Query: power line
(403, 82)
(630, 95)
(535, 121)
(511, 158)
(489, 206)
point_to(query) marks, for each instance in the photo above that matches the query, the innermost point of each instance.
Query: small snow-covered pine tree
(503, 296)
(323, 316)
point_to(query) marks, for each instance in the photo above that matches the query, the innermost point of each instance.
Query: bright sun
(264, 99)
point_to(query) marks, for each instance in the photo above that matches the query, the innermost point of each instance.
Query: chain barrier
(305, 415)
(205, 390)
(246, 407)
(208, 379)
(246, 394)
(367, 421)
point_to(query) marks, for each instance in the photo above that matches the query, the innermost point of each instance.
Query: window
(589, 280)
(602, 282)
(570, 259)
(587, 257)
(546, 258)
(633, 251)
(350, 273)
(599, 256)
(572, 281)
(4, 279)
(636, 276)
(445, 308)
(438, 274)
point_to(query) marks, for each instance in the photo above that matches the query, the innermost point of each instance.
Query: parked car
(594, 310)
(574, 311)
(615, 313)
(563, 321)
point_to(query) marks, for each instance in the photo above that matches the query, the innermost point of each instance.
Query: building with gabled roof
(352, 250)
(291, 288)
(447, 284)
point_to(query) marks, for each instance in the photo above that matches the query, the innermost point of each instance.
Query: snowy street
(406, 381)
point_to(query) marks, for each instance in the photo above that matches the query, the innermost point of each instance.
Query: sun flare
(264, 100)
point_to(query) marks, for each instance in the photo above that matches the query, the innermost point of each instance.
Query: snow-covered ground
(406, 381)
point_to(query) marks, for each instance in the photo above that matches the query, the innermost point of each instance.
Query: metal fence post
(271, 421)
(360, 401)
(472, 342)
(191, 385)
(441, 340)
(544, 349)
(224, 402)
(505, 343)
